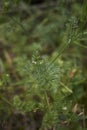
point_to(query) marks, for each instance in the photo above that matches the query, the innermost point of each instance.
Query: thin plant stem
(84, 46)
(60, 51)
(66, 87)
(47, 100)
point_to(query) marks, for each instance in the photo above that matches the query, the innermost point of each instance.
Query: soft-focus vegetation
(43, 65)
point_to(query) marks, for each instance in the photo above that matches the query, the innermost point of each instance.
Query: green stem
(68, 89)
(60, 51)
(84, 46)
(47, 100)
(20, 83)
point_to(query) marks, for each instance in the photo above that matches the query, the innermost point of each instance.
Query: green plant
(52, 86)
(46, 89)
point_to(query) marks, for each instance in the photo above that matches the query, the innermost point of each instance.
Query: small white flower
(64, 108)
(34, 62)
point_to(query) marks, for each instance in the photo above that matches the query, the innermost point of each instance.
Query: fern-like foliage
(47, 89)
